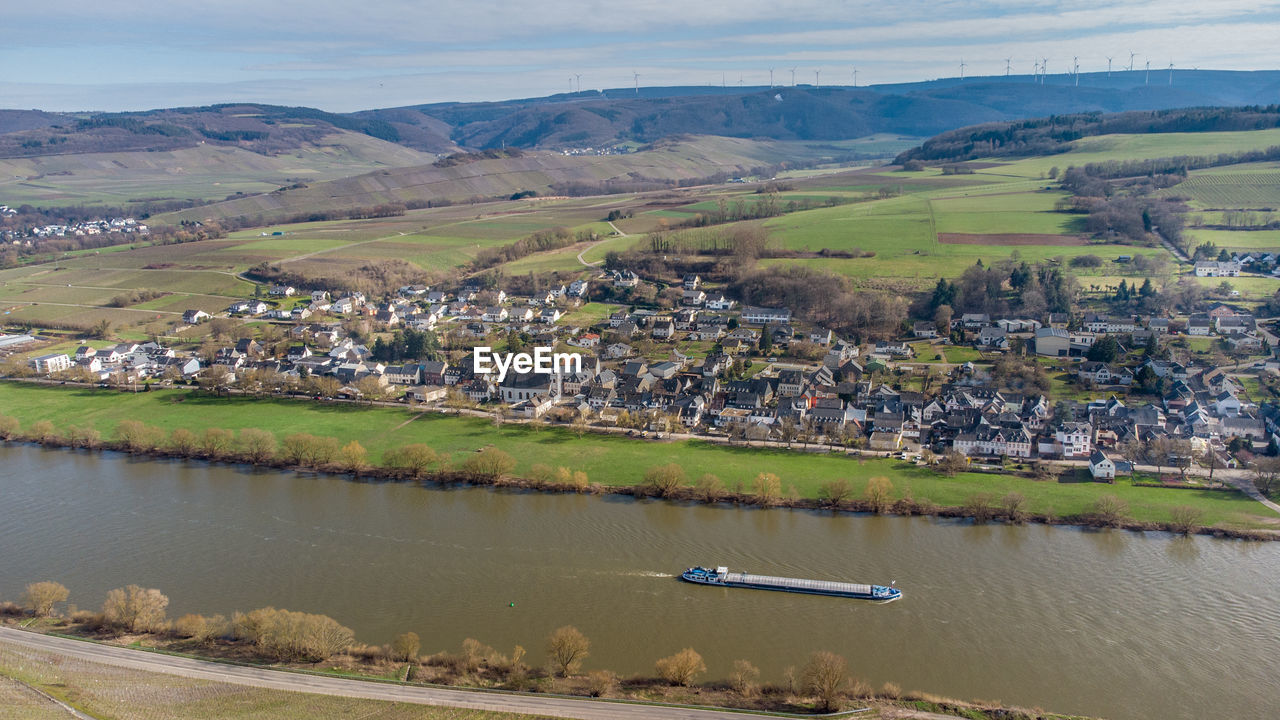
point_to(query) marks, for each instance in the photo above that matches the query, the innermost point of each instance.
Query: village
(743, 374)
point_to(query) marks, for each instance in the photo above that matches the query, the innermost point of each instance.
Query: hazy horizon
(77, 55)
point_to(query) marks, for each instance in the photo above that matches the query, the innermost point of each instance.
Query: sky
(115, 55)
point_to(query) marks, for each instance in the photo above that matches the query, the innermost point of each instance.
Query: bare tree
(825, 677)
(1266, 474)
(183, 442)
(835, 492)
(1109, 510)
(1015, 507)
(216, 442)
(980, 506)
(1184, 518)
(40, 597)
(490, 463)
(768, 489)
(681, 668)
(952, 462)
(9, 427)
(353, 457)
(879, 491)
(567, 647)
(709, 488)
(744, 677)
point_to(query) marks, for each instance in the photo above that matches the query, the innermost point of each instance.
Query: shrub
(681, 668)
(200, 628)
(980, 507)
(768, 489)
(709, 488)
(9, 427)
(353, 457)
(1014, 505)
(215, 443)
(414, 459)
(490, 463)
(293, 636)
(42, 431)
(601, 682)
(183, 442)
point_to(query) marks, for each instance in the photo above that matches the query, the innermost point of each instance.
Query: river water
(1107, 623)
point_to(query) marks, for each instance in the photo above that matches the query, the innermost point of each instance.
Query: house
(617, 350)
(691, 282)
(663, 328)
(1053, 342)
(578, 288)
(427, 393)
(52, 363)
(195, 317)
(247, 307)
(894, 349)
(1076, 439)
(408, 374)
(993, 337)
(1230, 268)
(973, 321)
(765, 316)
(1101, 467)
(282, 291)
(924, 329)
(495, 314)
(1059, 321)
(1199, 325)
(719, 302)
(693, 298)
(625, 279)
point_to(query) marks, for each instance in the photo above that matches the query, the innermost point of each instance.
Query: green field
(106, 691)
(1246, 240)
(607, 459)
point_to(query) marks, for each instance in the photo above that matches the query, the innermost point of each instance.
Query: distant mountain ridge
(609, 117)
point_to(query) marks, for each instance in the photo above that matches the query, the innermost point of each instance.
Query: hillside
(663, 164)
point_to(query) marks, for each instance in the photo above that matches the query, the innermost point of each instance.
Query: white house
(51, 363)
(1101, 467)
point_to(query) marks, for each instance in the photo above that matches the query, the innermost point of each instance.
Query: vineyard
(1230, 190)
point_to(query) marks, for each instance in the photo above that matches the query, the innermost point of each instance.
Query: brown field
(1010, 239)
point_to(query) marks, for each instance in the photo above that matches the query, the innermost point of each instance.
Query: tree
(768, 488)
(9, 427)
(664, 479)
(1109, 510)
(980, 506)
(216, 442)
(293, 636)
(681, 668)
(415, 459)
(835, 492)
(743, 678)
(135, 608)
(1105, 350)
(824, 677)
(567, 647)
(1014, 505)
(183, 442)
(353, 457)
(40, 597)
(709, 488)
(490, 463)
(952, 462)
(601, 682)
(1184, 518)
(405, 647)
(1266, 474)
(942, 319)
(257, 445)
(879, 489)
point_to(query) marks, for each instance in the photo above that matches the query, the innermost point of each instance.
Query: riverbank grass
(610, 460)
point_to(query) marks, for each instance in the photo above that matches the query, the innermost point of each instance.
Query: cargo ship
(721, 577)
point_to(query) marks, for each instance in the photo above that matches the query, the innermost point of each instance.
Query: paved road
(276, 680)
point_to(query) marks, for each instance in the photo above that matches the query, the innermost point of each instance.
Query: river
(1108, 623)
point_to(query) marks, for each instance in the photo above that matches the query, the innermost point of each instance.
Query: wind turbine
(636, 77)
(855, 77)
(579, 76)
(793, 77)
(770, 78)
(1044, 69)
(1108, 66)
(962, 66)
(1131, 56)
(1170, 72)
(1007, 66)
(570, 84)
(1147, 80)
(817, 77)
(1075, 69)
(1035, 73)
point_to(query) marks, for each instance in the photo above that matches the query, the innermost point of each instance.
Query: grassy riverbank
(105, 691)
(606, 459)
